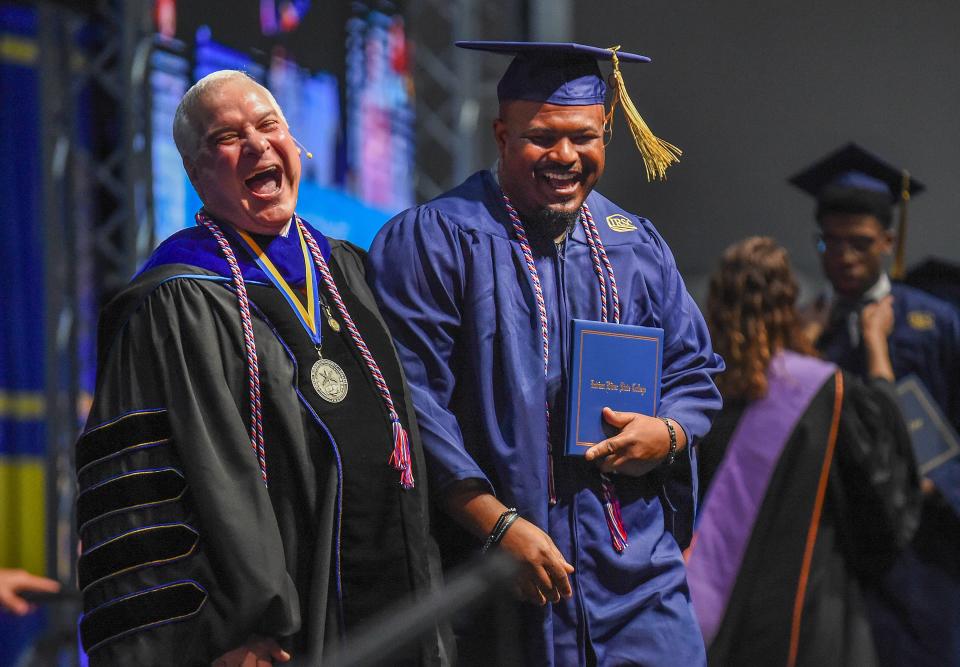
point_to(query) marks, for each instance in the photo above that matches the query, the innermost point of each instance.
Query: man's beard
(550, 224)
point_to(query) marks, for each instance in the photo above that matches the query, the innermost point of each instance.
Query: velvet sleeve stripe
(143, 547)
(134, 490)
(139, 611)
(133, 430)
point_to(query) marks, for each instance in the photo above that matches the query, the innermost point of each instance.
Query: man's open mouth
(266, 182)
(560, 181)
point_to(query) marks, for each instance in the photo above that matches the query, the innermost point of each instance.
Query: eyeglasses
(835, 246)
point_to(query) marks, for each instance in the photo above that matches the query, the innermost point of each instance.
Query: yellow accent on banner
(18, 50)
(23, 513)
(22, 405)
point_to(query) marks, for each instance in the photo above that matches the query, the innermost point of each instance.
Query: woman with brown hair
(809, 485)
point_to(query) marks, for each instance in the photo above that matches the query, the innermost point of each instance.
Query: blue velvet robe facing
(915, 608)
(455, 291)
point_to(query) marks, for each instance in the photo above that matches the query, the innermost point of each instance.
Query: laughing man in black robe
(250, 478)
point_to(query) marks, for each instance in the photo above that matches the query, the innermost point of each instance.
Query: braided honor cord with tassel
(400, 456)
(601, 263)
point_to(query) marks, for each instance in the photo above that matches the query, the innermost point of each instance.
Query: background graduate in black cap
(478, 288)
(916, 607)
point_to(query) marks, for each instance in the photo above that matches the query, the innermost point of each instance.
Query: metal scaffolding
(95, 211)
(457, 89)
(454, 87)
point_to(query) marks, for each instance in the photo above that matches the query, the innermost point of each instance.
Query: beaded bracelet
(500, 528)
(672, 454)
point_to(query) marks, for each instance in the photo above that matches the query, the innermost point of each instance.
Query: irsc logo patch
(620, 223)
(921, 320)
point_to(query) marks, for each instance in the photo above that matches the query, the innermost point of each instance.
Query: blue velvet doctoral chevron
(934, 440)
(611, 365)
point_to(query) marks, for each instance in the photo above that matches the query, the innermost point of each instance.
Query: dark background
(754, 91)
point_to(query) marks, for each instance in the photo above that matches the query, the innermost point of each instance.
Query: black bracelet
(500, 528)
(672, 454)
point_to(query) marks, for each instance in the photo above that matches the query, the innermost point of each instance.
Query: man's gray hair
(186, 130)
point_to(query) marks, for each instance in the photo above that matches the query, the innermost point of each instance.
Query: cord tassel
(611, 507)
(657, 154)
(400, 458)
(899, 265)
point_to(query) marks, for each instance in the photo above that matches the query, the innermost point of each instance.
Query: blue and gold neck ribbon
(308, 315)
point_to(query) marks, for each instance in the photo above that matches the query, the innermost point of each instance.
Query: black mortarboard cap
(853, 180)
(855, 168)
(566, 73)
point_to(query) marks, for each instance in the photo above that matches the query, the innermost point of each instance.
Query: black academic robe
(800, 510)
(185, 551)
(916, 606)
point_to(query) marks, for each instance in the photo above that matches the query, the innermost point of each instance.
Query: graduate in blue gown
(478, 288)
(916, 607)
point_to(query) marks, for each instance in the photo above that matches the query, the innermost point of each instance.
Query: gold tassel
(657, 154)
(899, 268)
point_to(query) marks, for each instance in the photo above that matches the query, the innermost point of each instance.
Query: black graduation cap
(853, 180)
(566, 73)
(853, 168)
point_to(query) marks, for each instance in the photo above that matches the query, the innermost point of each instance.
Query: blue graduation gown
(456, 294)
(916, 606)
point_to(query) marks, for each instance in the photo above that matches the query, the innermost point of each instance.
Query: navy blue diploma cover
(934, 440)
(611, 365)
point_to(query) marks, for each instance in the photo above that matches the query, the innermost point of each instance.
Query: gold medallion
(329, 381)
(331, 321)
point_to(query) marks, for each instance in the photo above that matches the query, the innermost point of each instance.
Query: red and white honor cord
(521, 233)
(400, 456)
(601, 263)
(253, 368)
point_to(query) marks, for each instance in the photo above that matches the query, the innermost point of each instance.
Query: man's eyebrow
(541, 129)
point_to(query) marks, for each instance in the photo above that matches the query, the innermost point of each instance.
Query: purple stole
(738, 489)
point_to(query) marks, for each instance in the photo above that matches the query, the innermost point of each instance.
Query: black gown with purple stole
(809, 492)
(186, 552)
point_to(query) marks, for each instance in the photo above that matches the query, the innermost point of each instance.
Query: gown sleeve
(689, 394)
(947, 476)
(415, 269)
(879, 489)
(181, 553)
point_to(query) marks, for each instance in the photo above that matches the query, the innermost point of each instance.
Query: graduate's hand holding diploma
(876, 322)
(642, 444)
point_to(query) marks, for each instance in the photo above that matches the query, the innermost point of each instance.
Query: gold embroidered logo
(921, 320)
(620, 223)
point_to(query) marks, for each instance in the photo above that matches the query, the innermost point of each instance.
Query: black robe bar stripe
(139, 611)
(134, 490)
(143, 547)
(142, 428)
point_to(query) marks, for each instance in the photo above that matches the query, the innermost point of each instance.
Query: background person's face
(854, 248)
(247, 169)
(550, 155)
